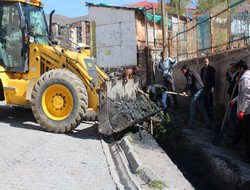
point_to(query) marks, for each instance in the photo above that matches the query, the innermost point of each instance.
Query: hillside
(63, 20)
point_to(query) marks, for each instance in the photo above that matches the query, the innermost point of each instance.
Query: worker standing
(232, 75)
(208, 78)
(243, 105)
(165, 66)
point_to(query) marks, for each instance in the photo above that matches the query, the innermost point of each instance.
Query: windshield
(37, 22)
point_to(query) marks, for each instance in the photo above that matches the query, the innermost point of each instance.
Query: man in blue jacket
(165, 66)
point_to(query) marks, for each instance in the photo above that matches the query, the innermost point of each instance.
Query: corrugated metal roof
(110, 6)
(144, 4)
(149, 16)
(243, 8)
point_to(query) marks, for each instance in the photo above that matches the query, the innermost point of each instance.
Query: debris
(123, 105)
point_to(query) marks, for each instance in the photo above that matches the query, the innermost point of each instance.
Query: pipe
(50, 23)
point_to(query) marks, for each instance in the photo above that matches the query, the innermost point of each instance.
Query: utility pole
(178, 30)
(163, 24)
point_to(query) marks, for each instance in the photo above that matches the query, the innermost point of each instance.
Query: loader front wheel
(59, 101)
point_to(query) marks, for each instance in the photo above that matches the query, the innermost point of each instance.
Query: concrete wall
(115, 36)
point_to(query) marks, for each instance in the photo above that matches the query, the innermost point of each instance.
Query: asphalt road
(31, 158)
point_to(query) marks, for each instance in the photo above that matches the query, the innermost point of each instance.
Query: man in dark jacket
(232, 91)
(157, 93)
(208, 78)
(195, 86)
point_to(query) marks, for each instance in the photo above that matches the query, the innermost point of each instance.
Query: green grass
(139, 171)
(156, 184)
(132, 138)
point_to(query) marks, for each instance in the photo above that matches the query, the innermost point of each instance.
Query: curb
(144, 172)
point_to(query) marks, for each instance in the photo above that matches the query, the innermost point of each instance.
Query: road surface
(31, 158)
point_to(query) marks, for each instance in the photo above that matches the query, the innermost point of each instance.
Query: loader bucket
(122, 105)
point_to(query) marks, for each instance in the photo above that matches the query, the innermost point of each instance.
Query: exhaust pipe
(50, 23)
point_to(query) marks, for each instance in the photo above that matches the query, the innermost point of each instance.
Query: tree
(179, 6)
(205, 5)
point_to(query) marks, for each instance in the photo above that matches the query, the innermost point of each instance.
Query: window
(37, 23)
(11, 36)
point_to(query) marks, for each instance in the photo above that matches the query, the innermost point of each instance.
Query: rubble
(123, 104)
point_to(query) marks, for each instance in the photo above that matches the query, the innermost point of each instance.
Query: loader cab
(19, 23)
(11, 38)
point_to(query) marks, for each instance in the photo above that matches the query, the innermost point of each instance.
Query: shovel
(175, 93)
(217, 140)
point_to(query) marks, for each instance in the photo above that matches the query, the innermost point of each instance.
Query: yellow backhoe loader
(59, 85)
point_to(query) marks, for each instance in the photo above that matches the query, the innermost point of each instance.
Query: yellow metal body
(57, 102)
(18, 86)
(31, 2)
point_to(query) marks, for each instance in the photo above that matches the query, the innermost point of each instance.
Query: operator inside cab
(11, 37)
(14, 42)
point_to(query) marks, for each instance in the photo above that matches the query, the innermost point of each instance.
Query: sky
(76, 8)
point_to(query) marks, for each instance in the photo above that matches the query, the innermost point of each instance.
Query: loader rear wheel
(59, 101)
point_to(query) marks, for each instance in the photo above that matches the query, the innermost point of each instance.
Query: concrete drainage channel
(206, 166)
(125, 166)
(119, 167)
(138, 162)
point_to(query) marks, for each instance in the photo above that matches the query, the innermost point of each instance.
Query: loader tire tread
(79, 95)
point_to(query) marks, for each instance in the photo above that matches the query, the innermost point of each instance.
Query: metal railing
(224, 27)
